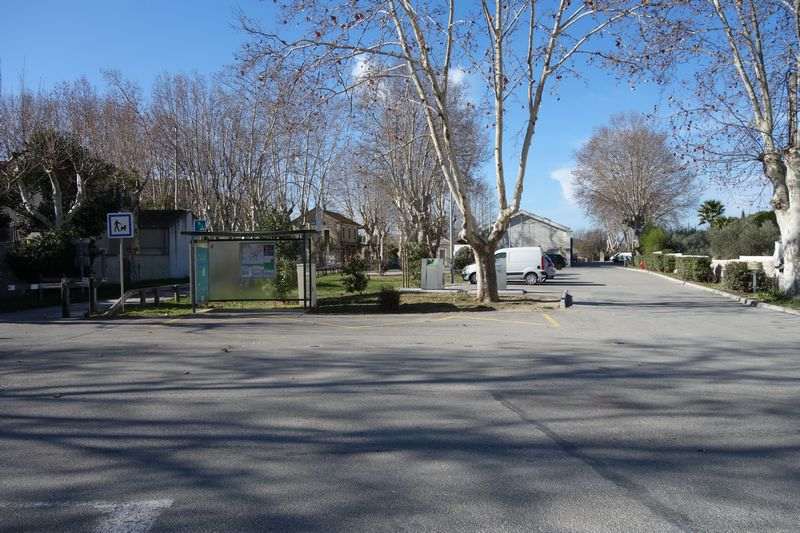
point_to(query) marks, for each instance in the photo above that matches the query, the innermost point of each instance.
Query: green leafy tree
(711, 212)
(654, 239)
(690, 241)
(463, 257)
(45, 256)
(743, 237)
(54, 183)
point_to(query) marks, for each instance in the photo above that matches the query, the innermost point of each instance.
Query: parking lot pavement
(645, 407)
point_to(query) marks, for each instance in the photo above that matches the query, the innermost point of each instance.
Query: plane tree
(515, 49)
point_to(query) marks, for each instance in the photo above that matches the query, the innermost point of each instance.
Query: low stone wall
(767, 263)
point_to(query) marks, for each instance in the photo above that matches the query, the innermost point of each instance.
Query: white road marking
(128, 517)
(132, 517)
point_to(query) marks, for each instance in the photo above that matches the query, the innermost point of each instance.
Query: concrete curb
(748, 302)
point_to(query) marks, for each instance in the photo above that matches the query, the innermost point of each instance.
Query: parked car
(527, 264)
(549, 268)
(558, 260)
(622, 257)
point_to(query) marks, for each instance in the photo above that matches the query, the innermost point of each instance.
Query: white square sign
(119, 225)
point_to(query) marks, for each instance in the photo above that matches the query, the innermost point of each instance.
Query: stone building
(338, 239)
(528, 229)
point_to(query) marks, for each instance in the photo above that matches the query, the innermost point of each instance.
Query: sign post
(120, 226)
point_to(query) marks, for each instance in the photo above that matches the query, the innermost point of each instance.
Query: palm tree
(711, 212)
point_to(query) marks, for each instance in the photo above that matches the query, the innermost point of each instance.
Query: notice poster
(257, 260)
(201, 274)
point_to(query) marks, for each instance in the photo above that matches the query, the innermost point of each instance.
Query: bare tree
(626, 176)
(739, 107)
(525, 43)
(590, 244)
(393, 146)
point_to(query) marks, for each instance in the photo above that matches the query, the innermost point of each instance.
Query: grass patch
(368, 303)
(331, 285)
(777, 299)
(163, 310)
(333, 299)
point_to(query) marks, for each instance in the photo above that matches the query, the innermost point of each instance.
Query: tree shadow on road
(330, 437)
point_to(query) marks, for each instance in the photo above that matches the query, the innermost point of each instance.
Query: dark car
(558, 260)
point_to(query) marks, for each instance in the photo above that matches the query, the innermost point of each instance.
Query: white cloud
(360, 67)
(457, 75)
(563, 176)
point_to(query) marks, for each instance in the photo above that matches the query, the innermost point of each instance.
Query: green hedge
(668, 264)
(738, 277)
(654, 262)
(693, 268)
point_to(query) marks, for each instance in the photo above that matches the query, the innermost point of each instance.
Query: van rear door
(515, 264)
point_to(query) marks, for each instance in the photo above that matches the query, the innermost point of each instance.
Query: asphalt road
(646, 407)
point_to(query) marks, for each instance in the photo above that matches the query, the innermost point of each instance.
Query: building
(338, 240)
(527, 229)
(157, 251)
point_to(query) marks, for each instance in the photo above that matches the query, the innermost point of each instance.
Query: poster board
(256, 260)
(201, 273)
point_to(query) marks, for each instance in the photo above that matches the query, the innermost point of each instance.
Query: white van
(526, 263)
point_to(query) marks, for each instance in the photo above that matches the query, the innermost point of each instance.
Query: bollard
(64, 298)
(156, 297)
(92, 296)
(177, 293)
(566, 300)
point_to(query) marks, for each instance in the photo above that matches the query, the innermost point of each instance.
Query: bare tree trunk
(487, 274)
(786, 202)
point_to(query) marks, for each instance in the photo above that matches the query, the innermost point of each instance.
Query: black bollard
(64, 298)
(92, 296)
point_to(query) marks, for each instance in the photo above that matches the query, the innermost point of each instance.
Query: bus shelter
(252, 267)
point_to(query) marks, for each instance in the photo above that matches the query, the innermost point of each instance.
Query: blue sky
(55, 40)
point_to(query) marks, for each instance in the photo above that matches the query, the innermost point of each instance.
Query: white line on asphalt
(128, 517)
(132, 517)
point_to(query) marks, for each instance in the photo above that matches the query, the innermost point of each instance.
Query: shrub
(743, 237)
(354, 275)
(285, 278)
(463, 257)
(668, 263)
(49, 255)
(694, 267)
(389, 299)
(690, 241)
(738, 277)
